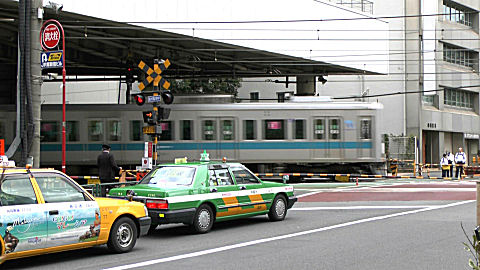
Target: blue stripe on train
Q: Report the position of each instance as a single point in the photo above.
(214, 145)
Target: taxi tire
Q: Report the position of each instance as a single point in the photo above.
(278, 204)
(204, 213)
(128, 226)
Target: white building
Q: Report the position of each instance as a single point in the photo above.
(434, 56)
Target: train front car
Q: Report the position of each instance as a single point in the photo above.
(312, 134)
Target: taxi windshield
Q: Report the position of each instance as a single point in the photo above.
(170, 176)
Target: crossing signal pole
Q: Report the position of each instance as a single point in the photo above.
(153, 118)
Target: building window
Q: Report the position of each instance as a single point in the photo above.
(458, 98)
(49, 131)
(186, 127)
(167, 131)
(365, 129)
(72, 131)
(459, 56)
(209, 131)
(95, 131)
(254, 96)
(299, 129)
(114, 130)
(456, 13)
(249, 129)
(334, 128)
(136, 129)
(428, 100)
(362, 5)
(227, 130)
(274, 129)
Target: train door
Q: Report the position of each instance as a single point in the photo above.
(335, 144)
(219, 137)
(227, 140)
(365, 144)
(320, 138)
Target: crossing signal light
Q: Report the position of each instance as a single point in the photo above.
(139, 99)
(167, 97)
(149, 117)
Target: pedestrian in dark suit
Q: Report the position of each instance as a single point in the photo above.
(107, 167)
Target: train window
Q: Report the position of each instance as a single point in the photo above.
(254, 96)
(114, 130)
(167, 131)
(186, 127)
(227, 130)
(72, 131)
(274, 129)
(249, 127)
(319, 129)
(365, 129)
(136, 130)
(49, 131)
(95, 131)
(334, 128)
(209, 132)
(299, 129)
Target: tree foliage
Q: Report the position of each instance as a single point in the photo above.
(206, 86)
(473, 246)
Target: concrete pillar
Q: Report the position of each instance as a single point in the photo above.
(306, 85)
(36, 72)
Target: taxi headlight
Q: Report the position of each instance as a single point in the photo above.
(146, 210)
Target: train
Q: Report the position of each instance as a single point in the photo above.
(312, 134)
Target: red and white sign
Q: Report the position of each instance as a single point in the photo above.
(51, 36)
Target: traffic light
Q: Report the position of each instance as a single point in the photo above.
(167, 97)
(163, 113)
(149, 117)
(129, 75)
(139, 99)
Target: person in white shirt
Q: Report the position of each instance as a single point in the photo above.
(445, 166)
(451, 159)
(460, 160)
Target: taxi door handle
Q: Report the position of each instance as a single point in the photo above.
(53, 212)
(213, 190)
(243, 187)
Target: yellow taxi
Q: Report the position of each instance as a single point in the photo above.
(44, 211)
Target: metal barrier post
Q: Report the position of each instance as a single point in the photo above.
(478, 202)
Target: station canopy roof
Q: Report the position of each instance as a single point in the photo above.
(98, 47)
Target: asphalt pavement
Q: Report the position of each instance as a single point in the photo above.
(315, 235)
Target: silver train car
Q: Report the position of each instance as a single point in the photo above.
(323, 136)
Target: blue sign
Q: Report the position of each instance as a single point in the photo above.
(152, 99)
(52, 59)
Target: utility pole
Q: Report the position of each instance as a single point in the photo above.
(36, 24)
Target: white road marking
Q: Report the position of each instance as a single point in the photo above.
(362, 207)
(310, 193)
(280, 237)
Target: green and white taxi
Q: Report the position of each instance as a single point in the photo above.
(200, 193)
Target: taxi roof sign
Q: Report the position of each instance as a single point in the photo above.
(181, 160)
(204, 156)
(4, 162)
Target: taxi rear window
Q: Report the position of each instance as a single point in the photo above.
(170, 176)
(17, 190)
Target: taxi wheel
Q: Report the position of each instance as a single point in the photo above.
(278, 210)
(203, 220)
(123, 235)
